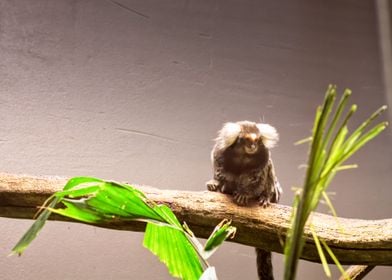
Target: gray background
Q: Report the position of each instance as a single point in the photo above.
(137, 94)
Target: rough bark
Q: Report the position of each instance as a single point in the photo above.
(354, 241)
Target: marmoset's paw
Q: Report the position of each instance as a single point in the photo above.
(213, 185)
(242, 199)
(264, 202)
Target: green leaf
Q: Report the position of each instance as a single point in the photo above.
(44, 213)
(321, 253)
(338, 113)
(289, 242)
(92, 200)
(329, 149)
(303, 141)
(357, 133)
(112, 200)
(336, 149)
(174, 247)
(79, 191)
(359, 143)
(330, 205)
(174, 250)
(221, 232)
(81, 181)
(78, 211)
(33, 231)
(167, 215)
(335, 260)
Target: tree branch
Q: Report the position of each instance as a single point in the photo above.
(357, 272)
(354, 241)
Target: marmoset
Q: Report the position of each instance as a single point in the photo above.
(243, 168)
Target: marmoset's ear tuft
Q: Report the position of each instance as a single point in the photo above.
(227, 135)
(268, 134)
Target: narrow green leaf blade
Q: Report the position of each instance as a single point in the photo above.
(303, 141)
(44, 214)
(33, 231)
(359, 143)
(335, 260)
(323, 165)
(320, 251)
(358, 132)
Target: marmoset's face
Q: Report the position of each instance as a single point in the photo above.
(250, 140)
(251, 143)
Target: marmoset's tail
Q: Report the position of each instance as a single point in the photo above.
(264, 264)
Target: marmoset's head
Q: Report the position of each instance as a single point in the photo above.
(247, 137)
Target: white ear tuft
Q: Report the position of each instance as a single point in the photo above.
(269, 134)
(227, 135)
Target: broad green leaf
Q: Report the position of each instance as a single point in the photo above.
(173, 248)
(106, 206)
(78, 181)
(92, 200)
(132, 200)
(167, 215)
(80, 191)
(121, 204)
(78, 211)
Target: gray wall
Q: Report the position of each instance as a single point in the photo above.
(136, 94)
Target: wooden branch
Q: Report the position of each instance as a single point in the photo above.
(365, 242)
(357, 272)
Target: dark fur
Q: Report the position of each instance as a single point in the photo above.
(246, 176)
